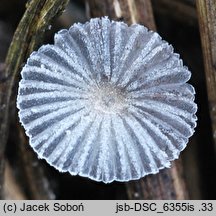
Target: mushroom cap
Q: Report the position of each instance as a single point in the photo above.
(107, 101)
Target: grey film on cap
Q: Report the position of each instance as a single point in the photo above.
(107, 101)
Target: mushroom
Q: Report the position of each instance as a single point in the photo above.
(107, 101)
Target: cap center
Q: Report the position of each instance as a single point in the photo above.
(107, 98)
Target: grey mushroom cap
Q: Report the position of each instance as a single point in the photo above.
(107, 101)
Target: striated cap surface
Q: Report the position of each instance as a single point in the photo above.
(107, 101)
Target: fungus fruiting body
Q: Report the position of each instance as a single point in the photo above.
(107, 101)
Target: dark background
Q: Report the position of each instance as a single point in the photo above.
(199, 163)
